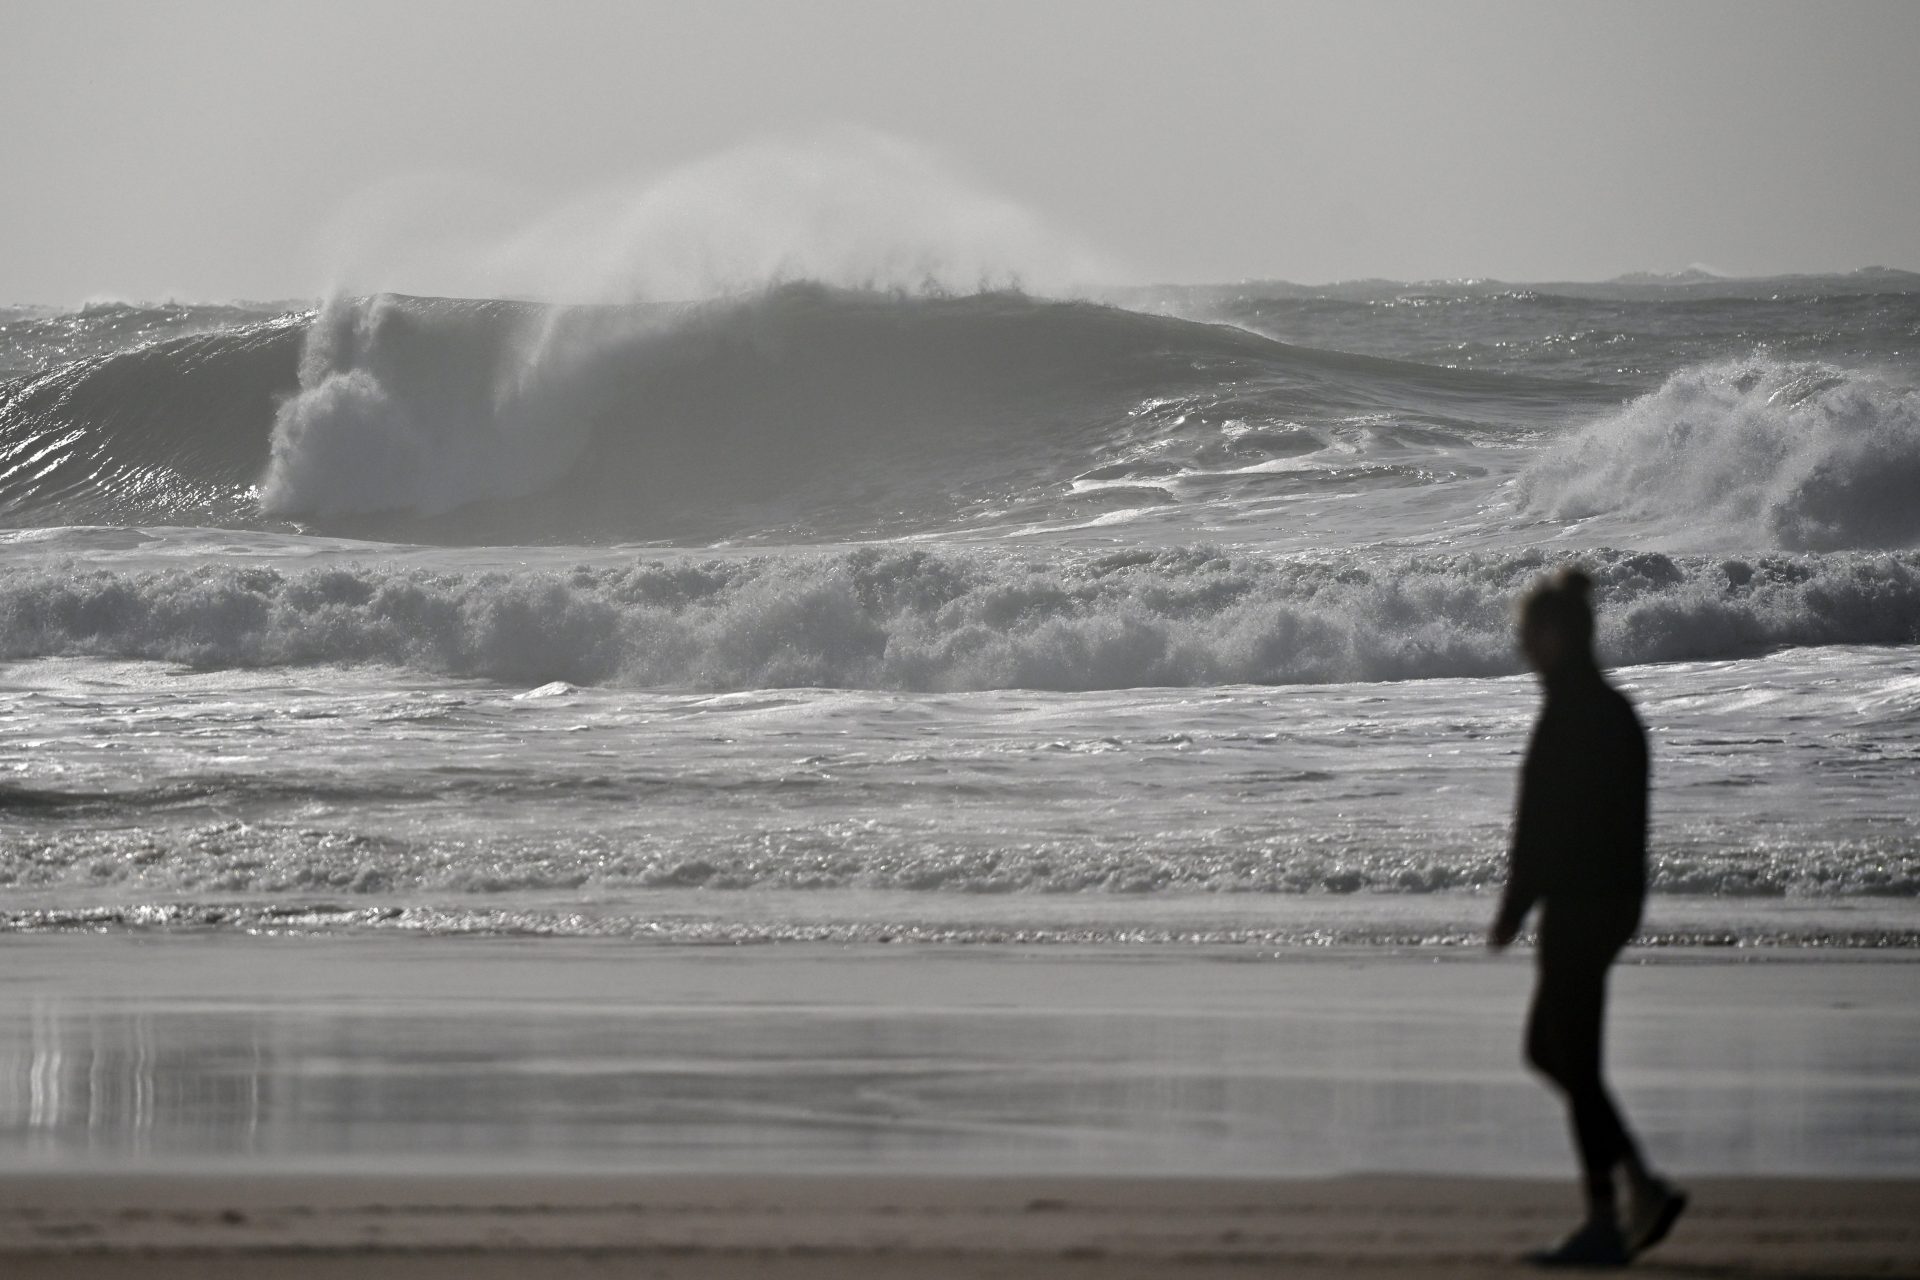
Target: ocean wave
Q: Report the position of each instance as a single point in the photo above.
(889, 618)
(172, 431)
(801, 412)
(1795, 455)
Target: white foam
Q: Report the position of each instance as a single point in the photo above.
(423, 410)
(946, 619)
(1753, 452)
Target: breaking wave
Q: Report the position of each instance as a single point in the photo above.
(803, 412)
(950, 620)
(1797, 455)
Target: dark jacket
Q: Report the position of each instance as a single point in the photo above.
(1580, 835)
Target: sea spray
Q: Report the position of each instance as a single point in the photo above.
(850, 207)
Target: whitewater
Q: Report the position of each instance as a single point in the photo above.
(1162, 615)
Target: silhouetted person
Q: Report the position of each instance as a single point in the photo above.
(1580, 854)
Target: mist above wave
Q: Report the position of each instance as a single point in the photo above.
(923, 620)
(847, 206)
(1798, 455)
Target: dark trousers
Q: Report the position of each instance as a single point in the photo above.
(1565, 1036)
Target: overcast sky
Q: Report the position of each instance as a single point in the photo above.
(212, 149)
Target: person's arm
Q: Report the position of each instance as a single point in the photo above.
(1525, 879)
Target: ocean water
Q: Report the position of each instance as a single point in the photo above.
(1173, 616)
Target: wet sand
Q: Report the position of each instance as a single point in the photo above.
(217, 1105)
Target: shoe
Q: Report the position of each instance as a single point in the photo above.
(1598, 1244)
(1651, 1214)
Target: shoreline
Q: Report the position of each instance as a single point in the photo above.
(1281, 924)
(105, 1226)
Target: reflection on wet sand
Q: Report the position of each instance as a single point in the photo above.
(482, 1056)
(79, 1077)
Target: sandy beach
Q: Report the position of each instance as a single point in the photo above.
(111, 1226)
(210, 1106)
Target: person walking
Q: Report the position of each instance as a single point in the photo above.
(1579, 853)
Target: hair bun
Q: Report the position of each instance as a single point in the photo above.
(1575, 582)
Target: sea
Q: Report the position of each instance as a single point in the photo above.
(1160, 616)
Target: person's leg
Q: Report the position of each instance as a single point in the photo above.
(1598, 1131)
(1601, 1129)
(1653, 1205)
(1564, 1042)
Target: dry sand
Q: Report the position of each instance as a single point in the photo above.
(164, 1227)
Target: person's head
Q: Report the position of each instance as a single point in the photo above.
(1556, 622)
